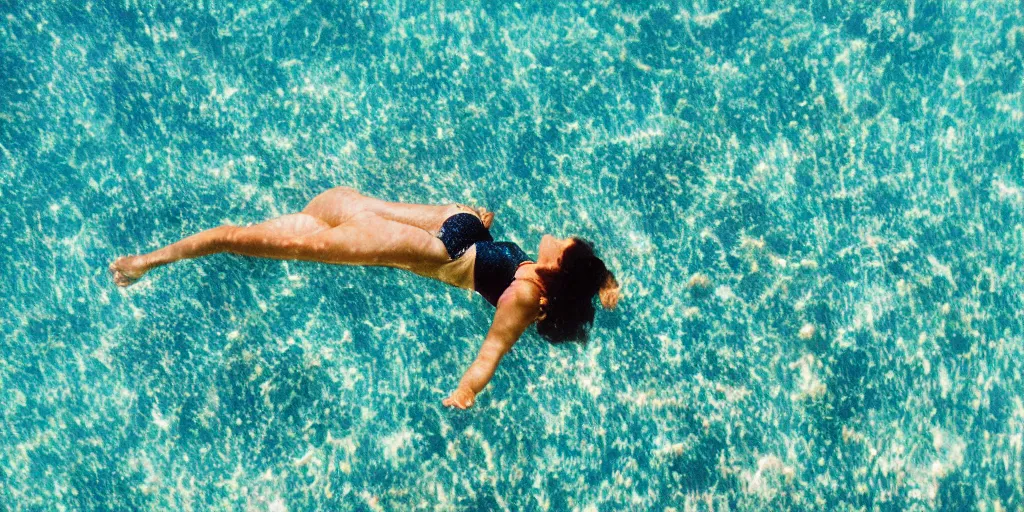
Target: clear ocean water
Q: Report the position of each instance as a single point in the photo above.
(815, 209)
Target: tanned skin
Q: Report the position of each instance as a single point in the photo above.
(344, 227)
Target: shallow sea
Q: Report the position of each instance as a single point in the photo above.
(815, 209)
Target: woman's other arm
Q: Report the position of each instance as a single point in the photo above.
(517, 309)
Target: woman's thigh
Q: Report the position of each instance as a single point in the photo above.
(340, 204)
(337, 205)
(428, 217)
(368, 239)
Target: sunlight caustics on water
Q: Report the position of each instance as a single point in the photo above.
(814, 208)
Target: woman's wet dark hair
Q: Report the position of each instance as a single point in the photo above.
(570, 292)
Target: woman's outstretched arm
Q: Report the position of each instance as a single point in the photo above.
(517, 309)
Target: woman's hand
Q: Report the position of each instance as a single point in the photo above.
(517, 309)
(462, 398)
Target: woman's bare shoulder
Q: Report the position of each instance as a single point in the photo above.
(522, 295)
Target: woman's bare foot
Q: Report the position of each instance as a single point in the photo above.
(126, 270)
(486, 217)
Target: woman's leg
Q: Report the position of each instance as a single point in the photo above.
(269, 239)
(337, 205)
(426, 216)
(366, 239)
(369, 239)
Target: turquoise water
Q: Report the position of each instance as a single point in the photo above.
(814, 209)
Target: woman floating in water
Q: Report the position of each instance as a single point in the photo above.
(449, 243)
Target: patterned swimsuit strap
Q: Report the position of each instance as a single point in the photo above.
(539, 284)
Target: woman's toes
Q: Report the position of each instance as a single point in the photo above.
(486, 217)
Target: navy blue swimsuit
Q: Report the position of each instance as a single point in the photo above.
(496, 262)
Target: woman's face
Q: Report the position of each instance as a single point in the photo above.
(551, 249)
